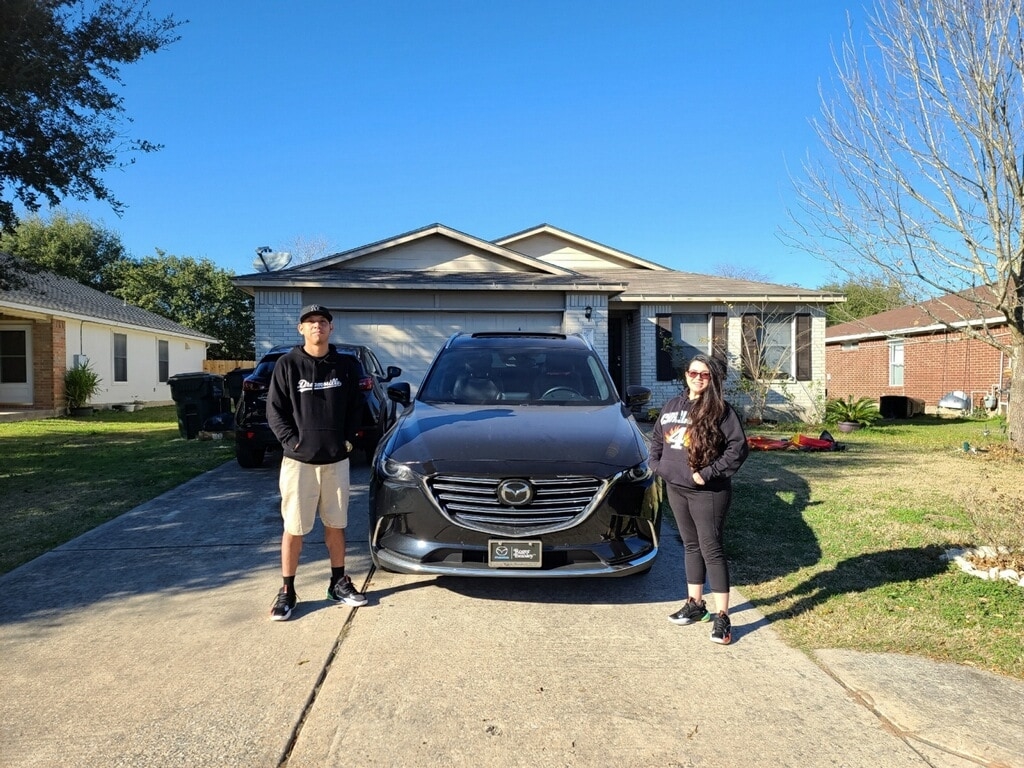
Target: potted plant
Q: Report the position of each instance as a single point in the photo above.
(80, 383)
(850, 414)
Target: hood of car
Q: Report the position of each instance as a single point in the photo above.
(504, 440)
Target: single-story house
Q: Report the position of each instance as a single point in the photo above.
(925, 352)
(404, 296)
(48, 323)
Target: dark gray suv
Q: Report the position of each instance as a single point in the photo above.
(517, 458)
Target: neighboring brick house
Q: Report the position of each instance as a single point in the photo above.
(923, 351)
(48, 322)
(405, 295)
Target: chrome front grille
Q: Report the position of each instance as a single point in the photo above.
(557, 503)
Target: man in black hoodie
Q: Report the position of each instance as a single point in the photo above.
(313, 409)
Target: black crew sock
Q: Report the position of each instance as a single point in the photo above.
(289, 584)
(337, 574)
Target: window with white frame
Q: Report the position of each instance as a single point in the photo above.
(120, 357)
(896, 363)
(777, 346)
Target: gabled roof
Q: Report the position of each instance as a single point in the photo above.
(325, 264)
(437, 281)
(546, 229)
(972, 307)
(626, 278)
(49, 294)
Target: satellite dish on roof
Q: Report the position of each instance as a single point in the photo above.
(268, 260)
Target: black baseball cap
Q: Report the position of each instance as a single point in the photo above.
(315, 309)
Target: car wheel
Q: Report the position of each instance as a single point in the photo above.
(249, 457)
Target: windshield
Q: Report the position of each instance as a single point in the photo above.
(517, 375)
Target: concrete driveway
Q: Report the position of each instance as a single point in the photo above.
(146, 642)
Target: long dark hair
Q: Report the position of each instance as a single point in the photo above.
(706, 413)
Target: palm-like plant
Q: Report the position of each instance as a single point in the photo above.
(80, 383)
(863, 411)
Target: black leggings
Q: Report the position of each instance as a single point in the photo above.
(700, 515)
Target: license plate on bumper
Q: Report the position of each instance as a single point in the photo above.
(503, 553)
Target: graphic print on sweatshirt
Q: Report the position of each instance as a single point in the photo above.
(673, 430)
(309, 386)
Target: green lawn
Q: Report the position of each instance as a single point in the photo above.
(62, 477)
(843, 550)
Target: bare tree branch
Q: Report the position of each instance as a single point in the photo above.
(923, 181)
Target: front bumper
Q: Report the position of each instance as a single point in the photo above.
(408, 534)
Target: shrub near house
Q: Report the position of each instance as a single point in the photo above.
(862, 411)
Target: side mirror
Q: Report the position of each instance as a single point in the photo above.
(393, 372)
(400, 393)
(637, 395)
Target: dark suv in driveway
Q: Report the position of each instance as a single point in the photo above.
(253, 437)
(518, 458)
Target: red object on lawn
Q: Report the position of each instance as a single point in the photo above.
(800, 442)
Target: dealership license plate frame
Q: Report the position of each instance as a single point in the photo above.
(520, 553)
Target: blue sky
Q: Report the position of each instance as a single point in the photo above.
(667, 129)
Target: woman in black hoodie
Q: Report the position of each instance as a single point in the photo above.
(697, 445)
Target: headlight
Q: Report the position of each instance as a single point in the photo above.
(637, 474)
(396, 472)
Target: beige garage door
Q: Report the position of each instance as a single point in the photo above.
(411, 339)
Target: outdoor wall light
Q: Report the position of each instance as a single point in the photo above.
(588, 312)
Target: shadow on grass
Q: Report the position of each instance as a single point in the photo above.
(858, 574)
(766, 534)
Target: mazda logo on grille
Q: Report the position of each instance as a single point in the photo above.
(515, 493)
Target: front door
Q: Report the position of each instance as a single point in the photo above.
(16, 364)
(615, 367)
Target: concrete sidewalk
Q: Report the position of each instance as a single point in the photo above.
(146, 642)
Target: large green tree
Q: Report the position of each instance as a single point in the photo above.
(922, 179)
(195, 293)
(62, 122)
(864, 296)
(69, 245)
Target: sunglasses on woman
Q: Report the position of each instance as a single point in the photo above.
(702, 375)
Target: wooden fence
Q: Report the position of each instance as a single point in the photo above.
(220, 367)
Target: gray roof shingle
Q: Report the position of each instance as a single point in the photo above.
(972, 306)
(50, 293)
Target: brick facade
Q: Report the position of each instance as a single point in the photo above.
(934, 364)
(49, 349)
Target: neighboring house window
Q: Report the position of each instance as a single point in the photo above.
(163, 357)
(13, 357)
(120, 357)
(896, 363)
(777, 346)
(682, 336)
(850, 346)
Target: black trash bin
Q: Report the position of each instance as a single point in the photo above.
(197, 397)
(233, 381)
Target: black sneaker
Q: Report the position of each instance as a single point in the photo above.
(721, 632)
(690, 613)
(281, 610)
(345, 592)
